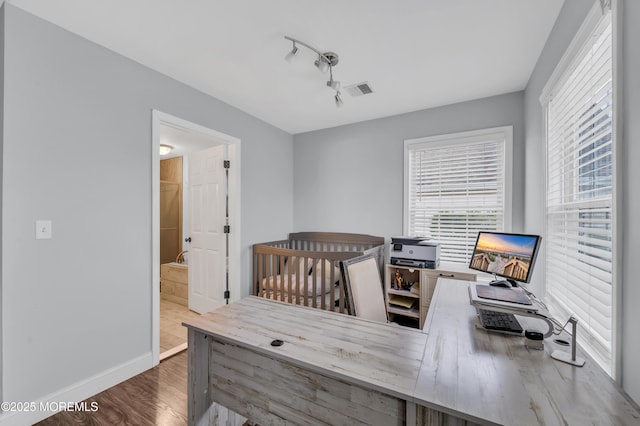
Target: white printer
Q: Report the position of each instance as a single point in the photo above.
(419, 252)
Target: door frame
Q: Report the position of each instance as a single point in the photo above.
(159, 118)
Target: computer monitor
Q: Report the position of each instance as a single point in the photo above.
(511, 256)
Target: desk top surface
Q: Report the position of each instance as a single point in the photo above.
(375, 355)
(451, 367)
(493, 378)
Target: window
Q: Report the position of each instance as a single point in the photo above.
(457, 185)
(580, 185)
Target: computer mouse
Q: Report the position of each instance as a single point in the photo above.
(501, 283)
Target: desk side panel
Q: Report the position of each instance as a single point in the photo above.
(272, 391)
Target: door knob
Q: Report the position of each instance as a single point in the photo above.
(187, 240)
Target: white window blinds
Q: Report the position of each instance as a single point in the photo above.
(455, 187)
(579, 206)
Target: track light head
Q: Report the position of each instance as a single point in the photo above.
(321, 64)
(292, 55)
(335, 85)
(326, 60)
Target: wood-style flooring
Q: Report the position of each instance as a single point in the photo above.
(172, 333)
(155, 397)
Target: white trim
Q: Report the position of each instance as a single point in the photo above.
(577, 45)
(508, 178)
(405, 187)
(541, 266)
(467, 137)
(80, 391)
(155, 236)
(235, 249)
(234, 152)
(617, 136)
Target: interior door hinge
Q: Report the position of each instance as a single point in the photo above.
(227, 229)
(227, 164)
(227, 294)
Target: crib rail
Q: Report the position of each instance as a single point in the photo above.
(333, 241)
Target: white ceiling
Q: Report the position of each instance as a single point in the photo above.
(415, 54)
(183, 141)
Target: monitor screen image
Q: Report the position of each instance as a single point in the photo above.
(511, 256)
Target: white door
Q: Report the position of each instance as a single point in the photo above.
(207, 248)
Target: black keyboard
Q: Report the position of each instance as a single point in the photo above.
(500, 321)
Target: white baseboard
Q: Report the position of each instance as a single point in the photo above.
(79, 391)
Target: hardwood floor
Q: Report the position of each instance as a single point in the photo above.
(155, 397)
(172, 333)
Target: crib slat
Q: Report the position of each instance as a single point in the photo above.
(280, 275)
(267, 273)
(314, 280)
(323, 284)
(306, 281)
(290, 261)
(254, 272)
(332, 285)
(298, 283)
(273, 276)
(260, 273)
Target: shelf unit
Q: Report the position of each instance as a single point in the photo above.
(410, 307)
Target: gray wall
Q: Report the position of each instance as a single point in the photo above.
(571, 16)
(350, 178)
(77, 150)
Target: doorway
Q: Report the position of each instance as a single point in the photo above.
(201, 149)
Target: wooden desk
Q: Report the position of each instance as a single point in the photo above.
(491, 378)
(332, 368)
(335, 369)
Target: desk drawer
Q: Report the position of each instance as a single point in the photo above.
(431, 276)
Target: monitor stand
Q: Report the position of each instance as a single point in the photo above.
(496, 281)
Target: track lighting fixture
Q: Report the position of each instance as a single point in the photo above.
(325, 61)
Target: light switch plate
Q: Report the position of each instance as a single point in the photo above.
(43, 230)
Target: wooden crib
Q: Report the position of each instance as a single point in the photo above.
(305, 268)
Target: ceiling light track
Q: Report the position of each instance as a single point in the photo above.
(326, 61)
